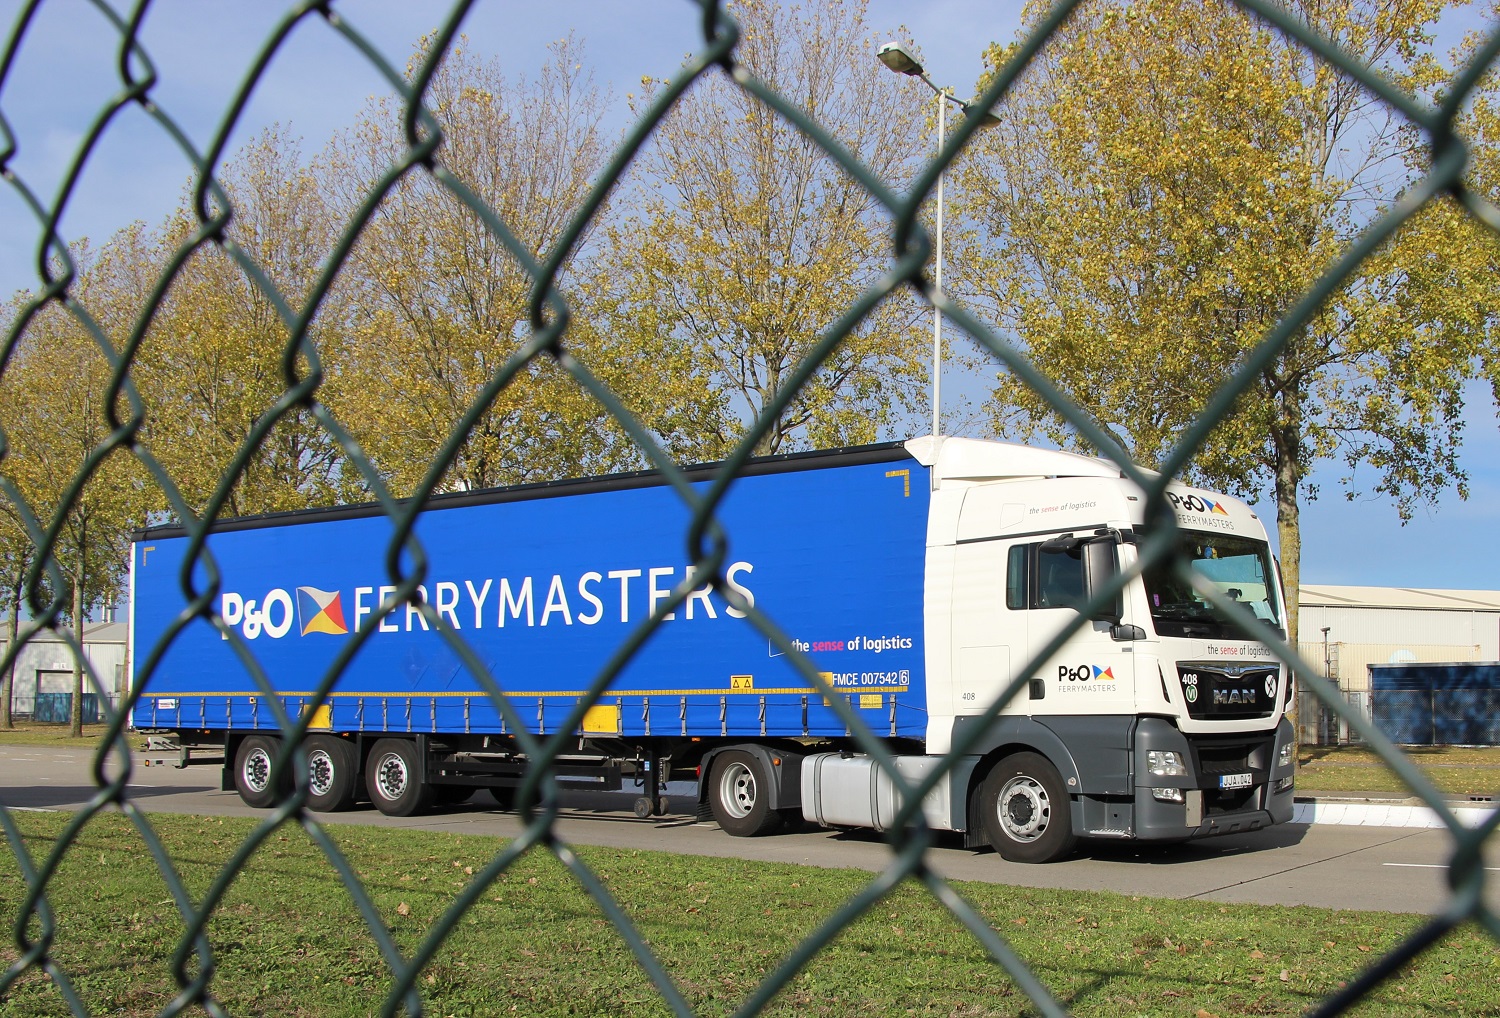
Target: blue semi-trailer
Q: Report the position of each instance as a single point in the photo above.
(917, 577)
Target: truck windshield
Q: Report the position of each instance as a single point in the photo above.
(1238, 566)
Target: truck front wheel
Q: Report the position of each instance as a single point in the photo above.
(1025, 810)
(391, 777)
(333, 768)
(252, 770)
(738, 794)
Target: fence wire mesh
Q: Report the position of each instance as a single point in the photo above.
(35, 925)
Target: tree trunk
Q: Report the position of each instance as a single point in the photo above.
(75, 728)
(8, 680)
(1289, 530)
(1288, 443)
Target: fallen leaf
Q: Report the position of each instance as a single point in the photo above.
(1256, 954)
(1286, 976)
(403, 909)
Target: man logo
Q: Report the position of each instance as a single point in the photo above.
(321, 611)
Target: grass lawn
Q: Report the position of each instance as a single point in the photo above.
(1461, 770)
(31, 733)
(288, 941)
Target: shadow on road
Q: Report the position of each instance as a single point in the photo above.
(54, 796)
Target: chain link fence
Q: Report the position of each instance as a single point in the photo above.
(34, 925)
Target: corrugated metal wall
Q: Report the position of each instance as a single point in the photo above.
(1351, 661)
(1359, 637)
(1417, 625)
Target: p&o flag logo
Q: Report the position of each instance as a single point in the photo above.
(321, 611)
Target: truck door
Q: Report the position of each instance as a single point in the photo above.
(1091, 673)
(989, 640)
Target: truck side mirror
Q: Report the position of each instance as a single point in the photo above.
(1100, 568)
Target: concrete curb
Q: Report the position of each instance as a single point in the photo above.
(1364, 814)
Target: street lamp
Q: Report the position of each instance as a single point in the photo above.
(899, 59)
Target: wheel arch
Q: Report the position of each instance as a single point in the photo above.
(1007, 737)
(785, 792)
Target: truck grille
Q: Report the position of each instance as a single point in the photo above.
(1228, 690)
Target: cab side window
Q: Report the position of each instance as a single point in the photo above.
(1059, 579)
(1018, 578)
(1044, 579)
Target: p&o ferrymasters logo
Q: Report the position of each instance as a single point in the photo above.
(321, 611)
(1086, 678)
(591, 598)
(1197, 504)
(316, 611)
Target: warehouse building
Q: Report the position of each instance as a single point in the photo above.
(43, 685)
(1345, 630)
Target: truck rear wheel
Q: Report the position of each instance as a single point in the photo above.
(1025, 810)
(503, 796)
(738, 795)
(333, 770)
(252, 770)
(391, 777)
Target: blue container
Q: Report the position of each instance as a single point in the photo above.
(57, 708)
(1437, 704)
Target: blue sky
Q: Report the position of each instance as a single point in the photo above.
(316, 84)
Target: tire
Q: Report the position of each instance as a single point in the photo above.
(391, 776)
(1025, 810)
(452, 795)
(738, 796)
(503, 797)
(333, 774)
(252, 770)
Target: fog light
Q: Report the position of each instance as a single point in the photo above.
(1282, 785)
(1164, 763)
(1167, 794)
(1284, 758)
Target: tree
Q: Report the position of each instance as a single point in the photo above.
(443, 305)
(16, 554)
(1168, 181)
(211, 364)
(750, 241)
(53, 412)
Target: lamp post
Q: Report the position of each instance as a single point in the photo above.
(899, 59)
(1328, 674)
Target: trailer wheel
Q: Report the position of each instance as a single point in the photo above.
(737, 794)
(503, 796)
(333, 770)
(391, 776)
(252, 770)
(1025, 810)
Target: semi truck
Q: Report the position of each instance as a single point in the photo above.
(921, 580)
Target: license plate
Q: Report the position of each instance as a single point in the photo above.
(1235, 781)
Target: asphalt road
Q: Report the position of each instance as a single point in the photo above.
(1373, 868)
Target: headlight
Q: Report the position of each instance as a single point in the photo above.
(1165, 763)
(1284, 758)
